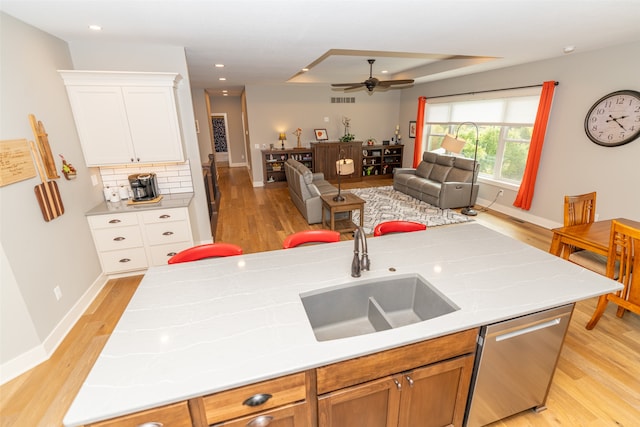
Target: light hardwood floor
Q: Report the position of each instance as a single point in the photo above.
(597, 382)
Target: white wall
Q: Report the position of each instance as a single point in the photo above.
(200, 110)
(232, 106)
(283, 108)
(570, 163)
(154, 58)
(40, 255)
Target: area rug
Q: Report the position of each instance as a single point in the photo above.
(386, 204)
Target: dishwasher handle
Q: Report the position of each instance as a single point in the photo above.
(528, 329)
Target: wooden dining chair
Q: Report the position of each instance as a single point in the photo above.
(388, 227)
(209, 250)
(581, 209)
(624, 262)
(310, 236)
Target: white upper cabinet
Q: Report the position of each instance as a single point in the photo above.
(126, 117)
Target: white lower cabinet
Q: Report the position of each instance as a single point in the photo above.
(134, 241)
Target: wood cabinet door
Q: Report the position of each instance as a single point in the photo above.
(372, 404)
(326, 155)
(436, 395)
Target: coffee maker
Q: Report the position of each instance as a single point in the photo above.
(144, 186)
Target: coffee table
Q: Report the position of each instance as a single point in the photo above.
(350, 203)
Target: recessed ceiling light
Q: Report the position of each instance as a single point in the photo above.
(219, 65)
(222, 79)
(305, 69)
(94, 27)
(569, 49)
(225, 94)
(384, 71)
(224, 91)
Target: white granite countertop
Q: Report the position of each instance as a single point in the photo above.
(197, 328)
(180, 200)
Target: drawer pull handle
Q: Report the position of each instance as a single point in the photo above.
(165, 216)
(118, 239)
(125, 260)
(114, 221)
(167, 233)
(261, 421)
(171, 253)
(150, 424)
(409, 380)
(398, 385)
(257, 399)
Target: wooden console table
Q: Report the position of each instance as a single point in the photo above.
(351, 202)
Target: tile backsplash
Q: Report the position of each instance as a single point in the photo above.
(172, 177)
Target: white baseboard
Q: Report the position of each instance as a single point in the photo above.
(519, 214)
(21, 364)
(33, 357)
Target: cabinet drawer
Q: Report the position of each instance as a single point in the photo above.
(112, 221)
(230, 404)
(294, 415)
(125, 260)
(172, 415)
(164, 215)
(170, 232)
(160, 254)
(118, 238)
(389, 362)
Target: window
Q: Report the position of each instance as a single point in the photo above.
(505, 126)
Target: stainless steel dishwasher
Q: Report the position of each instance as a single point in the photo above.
(515, 362)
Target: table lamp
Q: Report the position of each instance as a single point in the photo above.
(282, 138)
(343, 167)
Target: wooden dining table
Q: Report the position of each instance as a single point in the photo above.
(592, 237)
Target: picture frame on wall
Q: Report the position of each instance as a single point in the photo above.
(321, 134)
(412, 129)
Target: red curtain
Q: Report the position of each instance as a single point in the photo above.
(417, 147)
(525, 194)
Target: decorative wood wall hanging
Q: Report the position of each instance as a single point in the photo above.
(42, 139)
(15, 161)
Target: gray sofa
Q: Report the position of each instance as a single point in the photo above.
(440, 180)
(305, 189)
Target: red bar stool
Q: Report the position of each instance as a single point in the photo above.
(209, 250)
(397, 227)
(310, 236)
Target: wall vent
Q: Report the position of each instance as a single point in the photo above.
(343, 99)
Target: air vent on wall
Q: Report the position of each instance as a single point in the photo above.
(343, 99)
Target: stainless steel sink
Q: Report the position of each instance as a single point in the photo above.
(373, 305)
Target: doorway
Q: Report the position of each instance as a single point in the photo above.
(220, 136)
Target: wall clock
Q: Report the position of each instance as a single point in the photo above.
(614, 119)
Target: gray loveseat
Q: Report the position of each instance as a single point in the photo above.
(305, 189)
(439, 179)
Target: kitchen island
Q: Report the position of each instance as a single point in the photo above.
(204, 327)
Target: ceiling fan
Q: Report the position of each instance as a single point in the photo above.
(372, 82)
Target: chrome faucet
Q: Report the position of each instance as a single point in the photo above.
(358, 264)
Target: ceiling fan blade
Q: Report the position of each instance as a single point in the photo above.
(358, 86)
(395, 82)
(347, 84)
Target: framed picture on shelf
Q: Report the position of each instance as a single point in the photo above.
(321, 135)
(412, 129)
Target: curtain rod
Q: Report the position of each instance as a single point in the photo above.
(485, 91)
